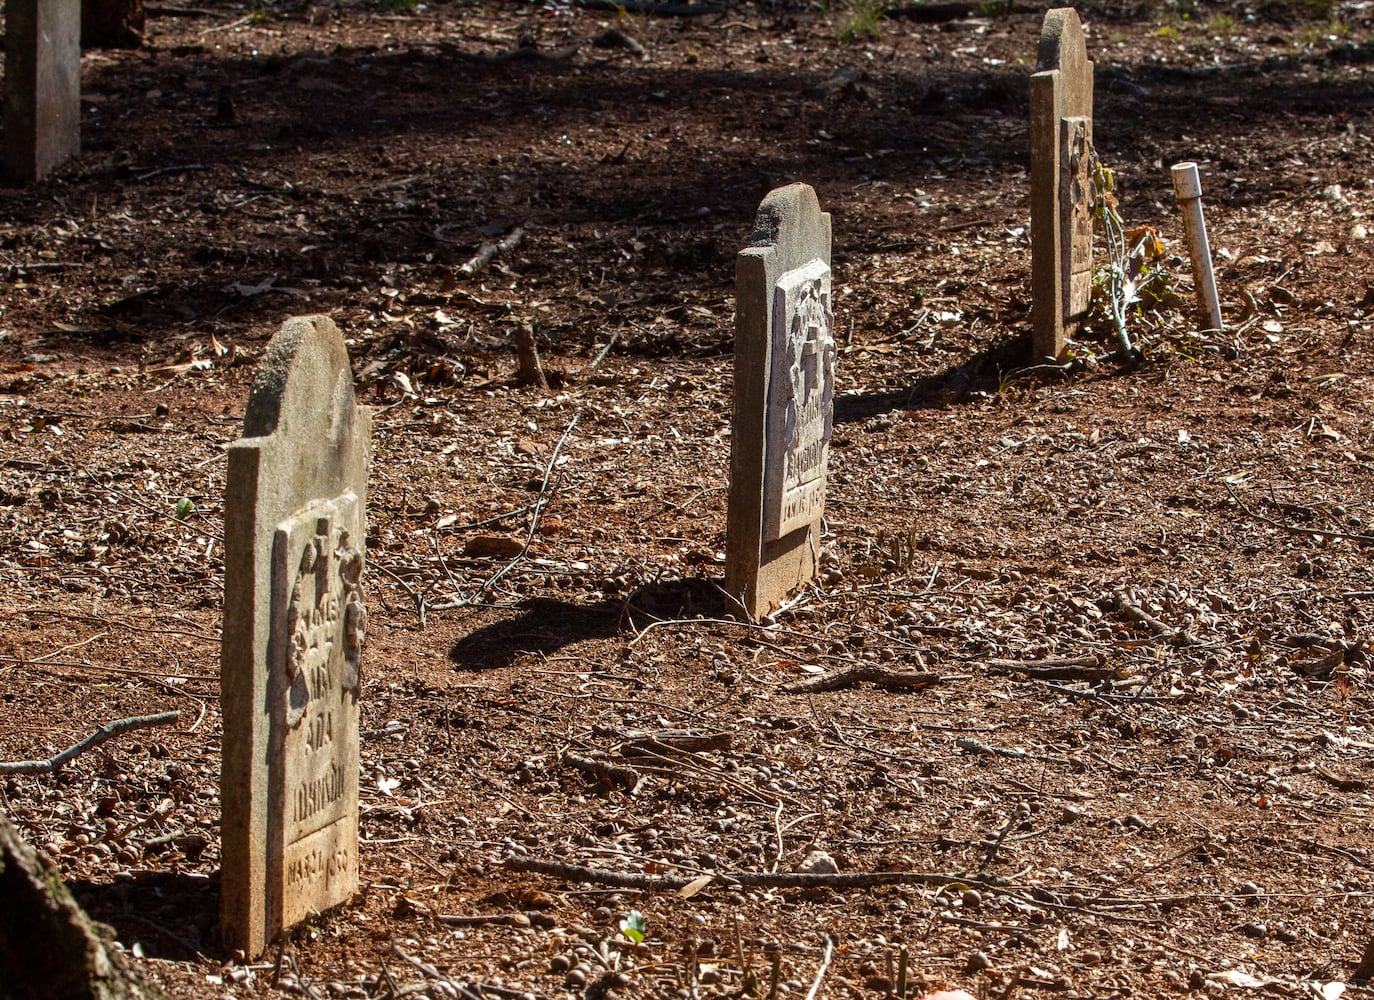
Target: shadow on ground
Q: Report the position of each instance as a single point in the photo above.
(545, 626)
(169, 915)
(541, 626)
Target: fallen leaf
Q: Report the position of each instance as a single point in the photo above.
(695, 886)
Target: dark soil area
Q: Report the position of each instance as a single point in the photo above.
(1146, 592)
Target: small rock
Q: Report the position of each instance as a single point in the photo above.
(977, 962)
(819, 863)
(1254, 930)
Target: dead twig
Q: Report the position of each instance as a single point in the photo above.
(860, 673)
(488, 253)
(105, 732)
(483, 919)
(147, 506)
(601, 356)
(1157, 628)
(815, 990)
(614, 774)
(538, 507)
(762, 880)
(1297, 529)
(974, 746)
(1073, 668)
(527, 353)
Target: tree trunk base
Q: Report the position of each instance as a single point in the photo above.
(48, 946)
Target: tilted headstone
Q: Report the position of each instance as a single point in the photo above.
(294, 620)
(1062, 193)
(784, 401)
(42, 113)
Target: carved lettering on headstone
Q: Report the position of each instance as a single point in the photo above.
(317, 582)
(801, 400)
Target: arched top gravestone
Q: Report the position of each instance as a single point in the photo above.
(1062, 194)
(294, 623)
(784, 401)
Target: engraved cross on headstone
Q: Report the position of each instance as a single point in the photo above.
(1062, 195)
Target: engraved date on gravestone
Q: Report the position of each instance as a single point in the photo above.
(801, 397)
(1078, 196)
(317, 590)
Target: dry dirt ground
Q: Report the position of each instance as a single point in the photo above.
(1184, 807)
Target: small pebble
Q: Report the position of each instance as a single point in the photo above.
(1248, 889)
(1254, 930)
(977, 962)
(819, 863)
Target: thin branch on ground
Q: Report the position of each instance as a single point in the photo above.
(815, 990)
(761, 880)
(539, 506)
(1073, 668)
(149, 507)
(1298, 529)
(415, 595)
(484, 256)
(974, 746)
(105, 732)
(861, 673)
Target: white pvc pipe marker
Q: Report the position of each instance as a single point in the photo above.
(1188, 189)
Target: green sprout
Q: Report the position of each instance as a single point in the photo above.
(184, 508)
(633, 926)
(862, 22)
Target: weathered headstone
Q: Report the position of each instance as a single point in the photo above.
(294, 618)
(42, 113)
(1062, 193)
(784, 401)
